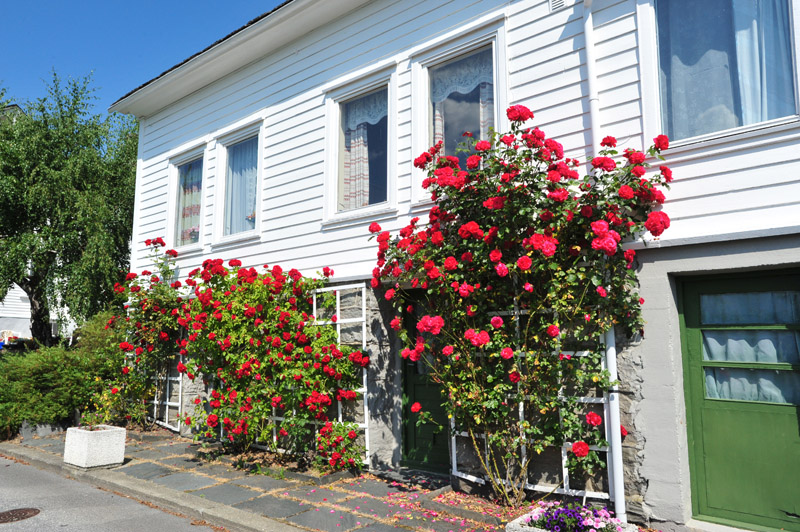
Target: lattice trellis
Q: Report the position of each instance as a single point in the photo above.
(167, 383)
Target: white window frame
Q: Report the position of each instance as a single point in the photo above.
(651, 92)
(187, 156)
(222, 144)
(380, 76)
(484, 34)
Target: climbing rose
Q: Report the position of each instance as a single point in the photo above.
(580, 449)
(661, 142)
(374, 227)
(601, 291)
(553, 331)
(626, 192)
(473, 161)
(497, 322)
(623, 431)
(450, 263)
(524, 262)
(501, 269)
(114, 390)
(514, 376)
(416, 407)
(604, 163)
(507, 353)
(657, 222)
(609, 142)
(593, 419)
(519, 113)
(389, 294)
(483, 145)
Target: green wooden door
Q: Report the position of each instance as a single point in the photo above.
(741, 344)
(424, 446)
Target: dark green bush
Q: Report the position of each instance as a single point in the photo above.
(47, 385)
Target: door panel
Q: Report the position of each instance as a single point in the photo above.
(740, 345)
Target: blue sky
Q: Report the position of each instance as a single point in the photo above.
(123, 43)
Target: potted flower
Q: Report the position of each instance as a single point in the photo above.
(94, 446)
(558, 516)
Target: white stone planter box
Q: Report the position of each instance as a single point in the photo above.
(519, 525)
(102, 447)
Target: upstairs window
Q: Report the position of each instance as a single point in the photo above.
(363, 150)
(190, 196)
(723, 64)
(241, 187)
(462, 100)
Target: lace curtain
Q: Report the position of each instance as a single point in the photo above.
(463, 77)
(190, 189)
(724, 64)
(358, 116)
(240, 187)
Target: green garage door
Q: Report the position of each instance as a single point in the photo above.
(741, 345)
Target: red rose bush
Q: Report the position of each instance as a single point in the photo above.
(506, 290)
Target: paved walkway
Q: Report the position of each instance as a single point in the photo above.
(166, 471)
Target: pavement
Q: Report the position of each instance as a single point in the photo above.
(170, 473)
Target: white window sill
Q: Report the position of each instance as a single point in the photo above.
(247, 237)
(359, 217)
(189, 250)
(742, 133)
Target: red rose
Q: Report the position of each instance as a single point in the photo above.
(374, 227)
(352, 435)
(524, 262)
(623, 431)
(609, 142)
(389, 294)
(450, 263)
(519, 113)
(514, 377)
(188, 420)
(661, 142)
(626, 192)
(496, 322)
(553, 331)
(657, 222)
(601, 291)
(604, 163)
(580, 449)
(507, 353)
(495, 255)
(114, 390)
(473, 161)
(501, 269)
(560, 195)
(416, 407)
(593, 419)
(483, 145)
(666, 172)
(171, 253)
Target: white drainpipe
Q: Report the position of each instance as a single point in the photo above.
(615, 472)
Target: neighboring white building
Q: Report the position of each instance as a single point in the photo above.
(255, 148)
(15, 313)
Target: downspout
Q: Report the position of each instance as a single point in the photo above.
(613, 434)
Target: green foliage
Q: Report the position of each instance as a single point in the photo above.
(67, 179)
(49, 385)
(519, 268)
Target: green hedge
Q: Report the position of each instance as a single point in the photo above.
(47, 385)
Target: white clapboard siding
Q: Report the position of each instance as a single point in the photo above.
(16, 304)
(720, 187)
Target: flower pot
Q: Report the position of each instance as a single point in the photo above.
(98, 446)
(520, 524)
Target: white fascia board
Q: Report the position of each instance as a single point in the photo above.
(243, 48)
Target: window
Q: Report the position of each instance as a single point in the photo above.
(241, 187)
(190, 193)
(462, 100)
(723, 64)
(363, 151)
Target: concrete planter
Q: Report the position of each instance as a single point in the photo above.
(519, 525)
(102, 447)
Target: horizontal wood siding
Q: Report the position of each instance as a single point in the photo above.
(16, 304)
(546, 70)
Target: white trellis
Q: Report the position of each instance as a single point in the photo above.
(167, 382)
(610, 402)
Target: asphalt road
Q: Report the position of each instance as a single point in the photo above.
(70, 505)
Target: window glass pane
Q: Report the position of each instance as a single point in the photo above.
(241, 187)
(752, 346)
(362, 176)
(770, 386)
(462, 98)
(767, 308)
(723, 64)
(190, 195)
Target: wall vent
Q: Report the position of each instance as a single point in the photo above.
(555, 5)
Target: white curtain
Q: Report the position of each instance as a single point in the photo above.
(190, 192)
(723, 64)
(241, 187)
(748, 346)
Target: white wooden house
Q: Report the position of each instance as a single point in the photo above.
(254, 148)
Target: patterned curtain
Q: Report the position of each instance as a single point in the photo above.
(355, 186)
(487, 109)
(240, 187)
(190, 192)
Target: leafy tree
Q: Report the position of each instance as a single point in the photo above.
(67, 182)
